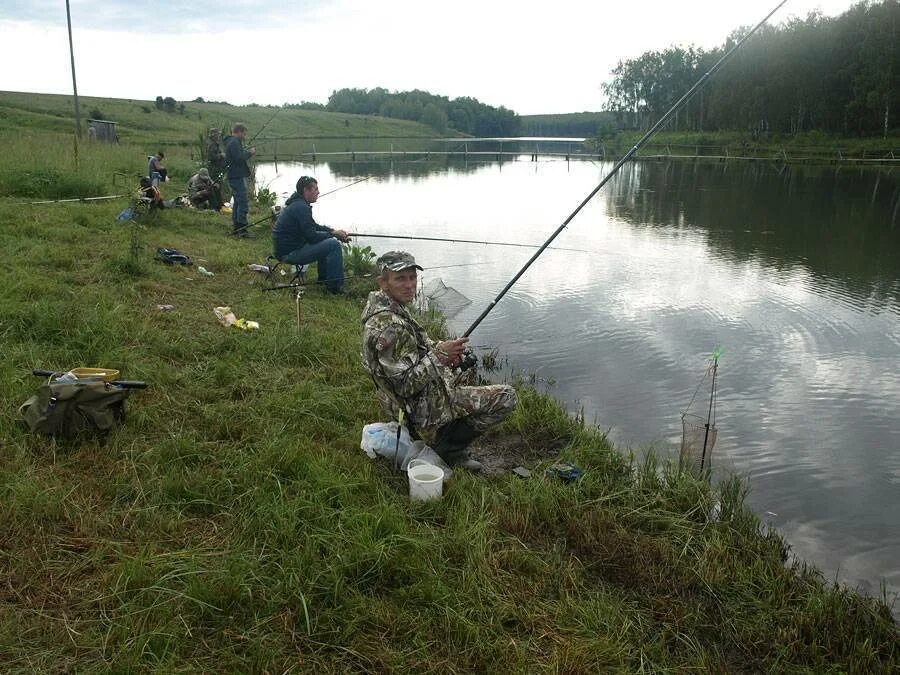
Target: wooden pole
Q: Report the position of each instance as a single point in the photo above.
(74, 85)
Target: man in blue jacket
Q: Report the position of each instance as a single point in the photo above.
(238, 172)
(299, 240)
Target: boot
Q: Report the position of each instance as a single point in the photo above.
(452, 444)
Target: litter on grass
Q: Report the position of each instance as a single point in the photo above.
(227, 318)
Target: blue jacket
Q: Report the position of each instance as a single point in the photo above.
(295, 227)
(236, 157)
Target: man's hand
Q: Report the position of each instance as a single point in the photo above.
(251, 151)
(450, 352)
(341, 235)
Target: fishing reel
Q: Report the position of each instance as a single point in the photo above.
(469, 360)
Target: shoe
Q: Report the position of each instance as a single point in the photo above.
(469, 464)
(243, 234)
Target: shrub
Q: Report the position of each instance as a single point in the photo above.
(358, 260)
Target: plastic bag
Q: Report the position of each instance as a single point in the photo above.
(380, 440)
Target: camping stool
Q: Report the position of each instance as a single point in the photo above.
(299, 272)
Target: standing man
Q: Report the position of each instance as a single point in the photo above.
(299, 240)
(155, 168)
(215, 156)
(421, 377)
(238, 172)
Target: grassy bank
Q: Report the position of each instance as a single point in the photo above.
(812, 145)
(233, 524)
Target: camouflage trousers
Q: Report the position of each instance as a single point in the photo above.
(483, 407)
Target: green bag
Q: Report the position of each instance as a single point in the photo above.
(68, 409)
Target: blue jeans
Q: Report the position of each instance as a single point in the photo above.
(330, 259)
(239, 212)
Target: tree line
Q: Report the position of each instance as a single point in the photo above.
(568, 124)
(465, 114)
(833, 74)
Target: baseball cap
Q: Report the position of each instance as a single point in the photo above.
(397, 261)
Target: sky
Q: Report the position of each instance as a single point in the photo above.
(532, 57)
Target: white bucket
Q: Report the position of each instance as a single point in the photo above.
(426, 481)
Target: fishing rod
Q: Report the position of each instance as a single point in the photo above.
(264, 218)
(628, 155)
(77, 199)
(361, 180)
(459, 241)
(368, 275)
(253, 138)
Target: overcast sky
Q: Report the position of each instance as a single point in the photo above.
(530, 56)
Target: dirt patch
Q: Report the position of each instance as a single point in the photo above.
(501, 453)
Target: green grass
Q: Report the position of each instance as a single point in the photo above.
(22, 112)
(233, 525)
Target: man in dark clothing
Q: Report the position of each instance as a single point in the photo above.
(299, 240)
(238, 173)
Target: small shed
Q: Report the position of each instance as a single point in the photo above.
(102, 130)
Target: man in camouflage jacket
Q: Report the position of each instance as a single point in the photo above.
(416, 374)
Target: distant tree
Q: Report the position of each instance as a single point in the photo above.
(169, 104)
(181, 108)
(199, 99)
(97, 114)
(160, 104)
(465, 114)
(832, 74)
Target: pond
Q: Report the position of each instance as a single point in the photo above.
(793, 271)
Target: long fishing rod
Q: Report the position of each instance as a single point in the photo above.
(268, 217)
(77, 199)
(253, 138)
(619, 165)
(343, 187)
(459, 241)
(368, 275)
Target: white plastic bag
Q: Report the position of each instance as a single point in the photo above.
(380, 440)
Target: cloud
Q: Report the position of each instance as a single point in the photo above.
(163, 16)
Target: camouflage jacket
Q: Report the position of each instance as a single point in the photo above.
(400, 357)
(215, 159)
(197, 184)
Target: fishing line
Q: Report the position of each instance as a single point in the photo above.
(461, 241)
(618, 166)
(344, 187)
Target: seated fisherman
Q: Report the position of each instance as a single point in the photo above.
(155, 168)
(150, 193)
(420, 376)
(203, 192)
(299, 240)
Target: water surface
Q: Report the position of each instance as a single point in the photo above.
(793, 271)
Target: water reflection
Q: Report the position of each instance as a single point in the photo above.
(793, 270)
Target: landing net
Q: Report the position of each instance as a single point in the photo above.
(448, 301)
(698, 434)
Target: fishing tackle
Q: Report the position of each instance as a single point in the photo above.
(458, 241)
(253, 138)
(618, 166)
(77, 199)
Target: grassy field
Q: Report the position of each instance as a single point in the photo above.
(233, 525)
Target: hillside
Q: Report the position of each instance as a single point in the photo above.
(141, 122)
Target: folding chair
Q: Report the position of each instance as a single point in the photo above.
(298, 273)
